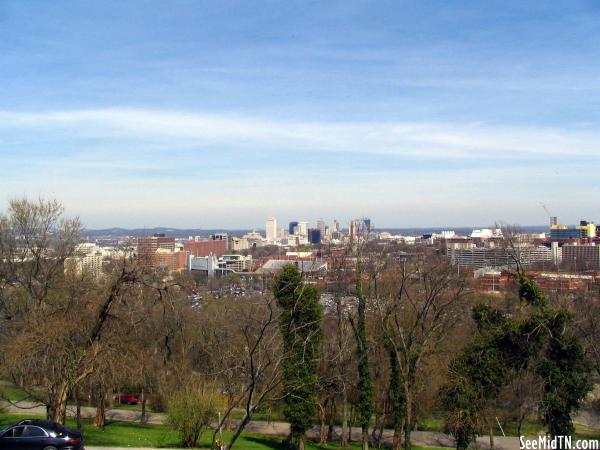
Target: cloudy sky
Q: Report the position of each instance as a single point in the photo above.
(220, 113)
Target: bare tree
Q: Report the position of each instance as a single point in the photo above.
(239, 345)
(59, 323)
(418, 303)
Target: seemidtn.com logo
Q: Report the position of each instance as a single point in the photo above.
(557, 443)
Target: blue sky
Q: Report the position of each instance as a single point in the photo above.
(219, 114)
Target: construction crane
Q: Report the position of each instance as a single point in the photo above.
(553, 220)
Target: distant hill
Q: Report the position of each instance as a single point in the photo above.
(139, 232)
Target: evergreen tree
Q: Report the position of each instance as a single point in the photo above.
(300, 325)
(564, 368)
(365, 384)
(566, 373)
(504, 345)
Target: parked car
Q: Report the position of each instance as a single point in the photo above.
(32, 434)
(128, 399)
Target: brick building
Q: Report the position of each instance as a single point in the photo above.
(172, 261)
(147, 247)
(206, 247)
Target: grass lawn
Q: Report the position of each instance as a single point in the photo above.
(510, 429)
(14, 393)
(583, 432)
(123, 434)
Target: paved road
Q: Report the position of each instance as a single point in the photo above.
(87, 412)
(421, 438)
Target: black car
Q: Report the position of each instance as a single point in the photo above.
(40, 435)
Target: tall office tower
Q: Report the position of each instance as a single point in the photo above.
(271, 228)
(293, 227)
(303, 228)
(336, 226)
(314, 236)
(321, 226)
(352, 229)
(367, 224)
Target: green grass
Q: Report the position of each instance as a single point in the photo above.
(137, 408)
(431, 425)
(123, 434)
(583, 432)
(14, 393)
(529, 428)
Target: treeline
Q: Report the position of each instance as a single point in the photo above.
(403, 339)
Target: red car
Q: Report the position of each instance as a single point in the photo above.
(129, 399)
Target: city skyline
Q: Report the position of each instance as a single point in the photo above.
(223, 114)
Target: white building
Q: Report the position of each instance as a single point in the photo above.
(87, 258)
(486, 233)
(271, 230)
(238, 243)
(235, 263)
(203, 264)
(321, 226)
(303, 228)
(211, 265)
(254, 239)
(447, 234)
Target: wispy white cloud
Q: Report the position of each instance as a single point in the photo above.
(441, 140)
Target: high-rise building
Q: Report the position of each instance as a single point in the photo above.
(321, 226)
(314, 236)
(354, 228)
(303, 228)
(293, 227)
(271, 229)
(367, 224)
(584, 230)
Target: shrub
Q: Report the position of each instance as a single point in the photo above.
(189, 411)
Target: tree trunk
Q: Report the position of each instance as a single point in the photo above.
(376, 426)
(144, 417)
(332, 417)
(491, 435)
(238, 431)
(344, 436)
(520, 424)
(397, 440)
(380, 432)
(100, 419)
(228, 423)
(350, 423)
(78, 411)
(365, 439)
(58, 409)
(408, 419)
(322, 436)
